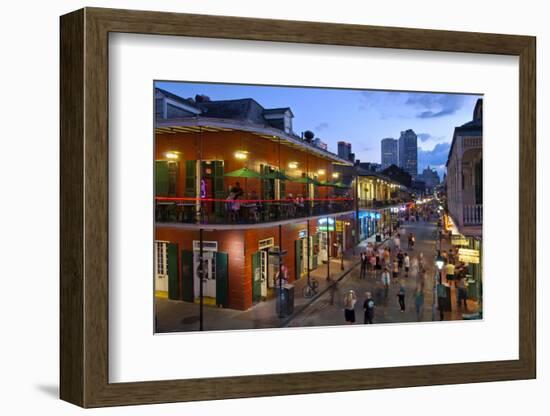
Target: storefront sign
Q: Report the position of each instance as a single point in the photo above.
(459, 240)
(339, 226)
(468, 255)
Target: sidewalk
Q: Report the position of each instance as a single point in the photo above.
(178, 316)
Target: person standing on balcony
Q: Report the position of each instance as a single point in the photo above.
(237, 190)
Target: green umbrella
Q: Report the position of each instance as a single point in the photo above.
(277, 175)
(306, 179)
(323, 183)
(243, 173)
(341, 185)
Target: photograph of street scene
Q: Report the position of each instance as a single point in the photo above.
(279, 207)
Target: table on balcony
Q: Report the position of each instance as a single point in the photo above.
(186, 211)
(164, 210)
(250, 212)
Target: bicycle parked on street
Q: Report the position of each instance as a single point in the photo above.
(311, 288)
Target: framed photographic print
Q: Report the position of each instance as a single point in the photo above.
(255, 207)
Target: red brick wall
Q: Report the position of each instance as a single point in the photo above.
(222, 146)
(231, 242)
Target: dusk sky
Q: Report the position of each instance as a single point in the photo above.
(361, 117)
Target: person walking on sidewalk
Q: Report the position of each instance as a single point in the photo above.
(395, 270)
(419, 303)
(421, 278)
(349, 307)
(450, 272)
(387, 257)
(368, 308)
(400, 259)
(397, 242)
(378, 266)
(386, 282)
(364, 261)
(401, 296)
(372, 263)
(421, 260)
(462, 293)
(407, 264)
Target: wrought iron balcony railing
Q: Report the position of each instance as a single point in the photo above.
(241, 211)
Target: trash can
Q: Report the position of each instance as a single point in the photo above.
(285, 300)
(378, 238)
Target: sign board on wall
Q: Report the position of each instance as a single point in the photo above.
(459, 240)
(467, 255)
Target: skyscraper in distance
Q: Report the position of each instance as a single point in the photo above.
(408, 152)
(344, 150)
(388, 156)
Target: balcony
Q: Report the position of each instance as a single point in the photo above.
(216, 211)
(472, 214)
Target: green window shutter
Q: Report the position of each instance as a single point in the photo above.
(187, 275)
(256, 278)
(222, 280)
(161, 178)
(298, 258)
(282, 186)
(173, 272)
(219, 187)
(190, 178)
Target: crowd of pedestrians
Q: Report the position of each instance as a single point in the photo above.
(389, 265)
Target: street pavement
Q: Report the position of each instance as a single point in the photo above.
(329, 309)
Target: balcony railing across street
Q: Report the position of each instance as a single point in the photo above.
(473, 214)
(244, 211)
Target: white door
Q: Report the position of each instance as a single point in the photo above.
(304, 255)
(209, 277)
(161, 267)
(263, 272)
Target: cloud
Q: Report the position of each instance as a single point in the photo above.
(424, 137)
(321, 126)
(429, 105)
(437, 157)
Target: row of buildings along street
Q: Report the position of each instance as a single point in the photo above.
(258, 226)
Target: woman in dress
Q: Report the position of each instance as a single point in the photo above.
(349, 307)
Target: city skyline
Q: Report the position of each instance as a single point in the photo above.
(360, 117)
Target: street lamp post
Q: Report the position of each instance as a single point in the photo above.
(439, 263)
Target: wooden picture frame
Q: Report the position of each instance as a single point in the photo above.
(84, 207)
